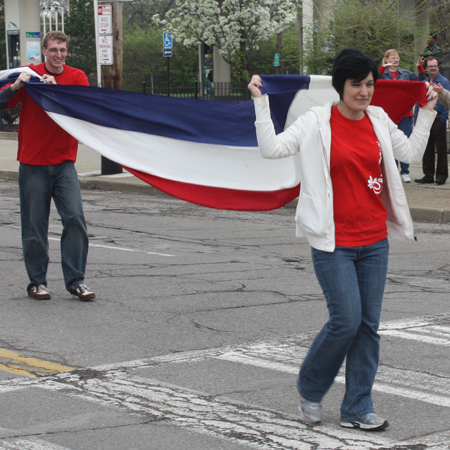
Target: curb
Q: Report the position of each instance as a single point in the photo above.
(425, 214)
(12, 135)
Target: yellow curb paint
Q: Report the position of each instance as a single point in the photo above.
(33, 363)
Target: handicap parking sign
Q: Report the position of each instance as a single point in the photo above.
(167, 40)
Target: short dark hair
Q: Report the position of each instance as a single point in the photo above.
(432, 58)
(354, 65)
(433, 35)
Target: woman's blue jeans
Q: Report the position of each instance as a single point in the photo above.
(38, 185)
(353, 281)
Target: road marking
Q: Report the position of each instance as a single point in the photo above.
(25, 444)
(243, 423)
(422, 329)
(29, 367)
(217, 416)
(123, 249)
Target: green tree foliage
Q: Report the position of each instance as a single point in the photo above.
(440, 22)
(81, 30)
(140, 12)
(261, 60)
(233, 26)
(373, 26)
(143, 60)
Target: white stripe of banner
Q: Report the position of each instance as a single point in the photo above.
(229, 167)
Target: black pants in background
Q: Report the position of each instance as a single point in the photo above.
(438, 139)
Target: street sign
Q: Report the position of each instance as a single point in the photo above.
(168, 44)
(276, 60)
(105, 50)
(105, 19)
(167, 40)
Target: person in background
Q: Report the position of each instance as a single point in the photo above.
(47, 155)
(437, 143)
(432, 49)
(346, 155)
(444, 94)
(390, 70)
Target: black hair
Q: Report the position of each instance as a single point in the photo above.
(433, 35)
(354, 65)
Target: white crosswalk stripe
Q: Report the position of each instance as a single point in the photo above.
(25, 444)
(244, 423)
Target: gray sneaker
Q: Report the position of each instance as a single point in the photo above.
(370, 421)
(311, 411)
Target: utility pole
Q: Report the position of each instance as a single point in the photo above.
(279, 50)
(111, 76)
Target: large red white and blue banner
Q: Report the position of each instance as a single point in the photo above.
(204, 152)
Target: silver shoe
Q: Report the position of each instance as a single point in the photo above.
(311, 411)
(370, 421)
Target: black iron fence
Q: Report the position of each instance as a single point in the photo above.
(223, 91)
(9, 119)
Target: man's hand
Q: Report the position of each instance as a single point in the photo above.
(420, 61)
(21, 80)
(437, 87)
(48, 79)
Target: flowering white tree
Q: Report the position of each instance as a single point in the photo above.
(234, 26)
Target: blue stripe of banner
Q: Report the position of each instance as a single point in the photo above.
(282, 90)
(210, 122)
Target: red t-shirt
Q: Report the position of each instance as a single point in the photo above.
(41, 141)
(359, 214)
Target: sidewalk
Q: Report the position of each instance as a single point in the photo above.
(426, 202)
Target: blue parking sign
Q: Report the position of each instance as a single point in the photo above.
(167, 40)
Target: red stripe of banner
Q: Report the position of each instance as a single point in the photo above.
(221, 198)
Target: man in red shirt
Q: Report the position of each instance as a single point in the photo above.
(47, 155)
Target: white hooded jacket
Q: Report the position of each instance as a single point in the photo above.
(310, 136)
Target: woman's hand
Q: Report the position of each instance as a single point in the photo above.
(390, 66)
(21, 80)
(432, 97)
(255, 85)
(48, 79)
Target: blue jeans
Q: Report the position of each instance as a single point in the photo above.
(406, 126)
(38, 185)
(353, 281)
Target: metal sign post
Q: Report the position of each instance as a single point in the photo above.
(167, 53)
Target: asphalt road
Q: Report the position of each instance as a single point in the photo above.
(201, 320)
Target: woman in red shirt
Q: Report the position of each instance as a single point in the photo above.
(351, 195)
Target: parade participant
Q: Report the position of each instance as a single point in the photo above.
(47, 155)
(351, 196)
